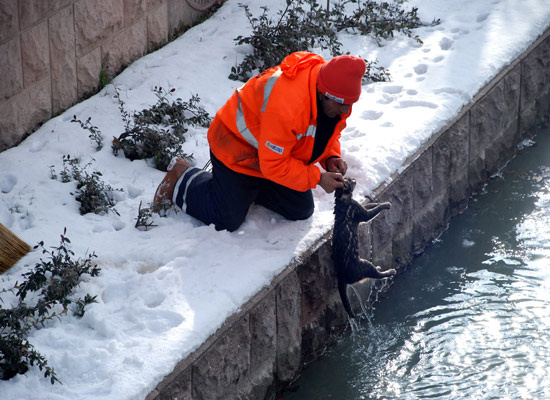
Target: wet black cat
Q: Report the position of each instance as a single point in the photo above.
(350, 268)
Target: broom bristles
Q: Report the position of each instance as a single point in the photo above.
(12, 249)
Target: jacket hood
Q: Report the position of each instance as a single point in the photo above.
(295, 62)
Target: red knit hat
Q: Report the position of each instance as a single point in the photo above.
(340, 78)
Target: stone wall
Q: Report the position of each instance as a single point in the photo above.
(52, 52)
(260, 350)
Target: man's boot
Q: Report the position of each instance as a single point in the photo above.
(165, 190)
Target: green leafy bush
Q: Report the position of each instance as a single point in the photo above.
(378, 19)
(305, 24)
(158, 132)
(95, 134)
(45, 294)
(145, 214)
(302, 25)
(92, 193)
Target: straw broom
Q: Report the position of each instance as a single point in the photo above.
(11, 249)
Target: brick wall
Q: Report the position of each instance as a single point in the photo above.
(53, 51)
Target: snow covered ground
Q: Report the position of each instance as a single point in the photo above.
(162, 292)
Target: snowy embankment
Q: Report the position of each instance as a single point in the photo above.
(163, 292)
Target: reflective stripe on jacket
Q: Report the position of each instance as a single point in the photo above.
(267, 127)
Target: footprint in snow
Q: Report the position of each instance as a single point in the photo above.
(371, 115)
(396, 89)
(482, 17)
(438, 59)
(449, 90)
(415, 103)
(421, 69)
(385, 100)
(7, 182)
(161, 320)
(38, 145)
(153, 299)
(446, 43)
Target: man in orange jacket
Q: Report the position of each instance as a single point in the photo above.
(266, 140)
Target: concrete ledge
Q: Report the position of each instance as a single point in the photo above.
(287, 325)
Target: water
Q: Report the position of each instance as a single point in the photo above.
(471, 318)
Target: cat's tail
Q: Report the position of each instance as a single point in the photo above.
(342, 289)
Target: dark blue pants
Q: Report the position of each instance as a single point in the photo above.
(224, 196)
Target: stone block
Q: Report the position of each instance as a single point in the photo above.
(37, 100)
(153, 4)
(383, 255)
(180, 14)
(201, 5)
(180, 388)
(511, 137)
(325, 330)
(64, 82)
(9, 20)
(542, 107)
(477, 173)
(33, 106)
(459, 141)
(95, 22)
(364, 232)
(511, 94)
(487, 119)
(124, 48)
(289, 335)
(11, 67)
(318, 280)
(494, 155)
(263, 347)
(430, 221)
(528, 118)
(535, 73)
(223, 369)
(494, 112)
(479, 128)
(459, 192)
(133, 11)
(400, 194)
(157, 27)
(35, 56)
(32, 11)
(441, 163)
(88, 68)
(9, 129)
(422, 180)
(382, 234)
(322, 314)
(402, 248)
(393, 228)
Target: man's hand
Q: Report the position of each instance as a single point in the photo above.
(331, 181)
(336, 164)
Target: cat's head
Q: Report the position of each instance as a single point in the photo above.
(347, 190)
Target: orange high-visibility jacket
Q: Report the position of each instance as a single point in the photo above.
(267, 127)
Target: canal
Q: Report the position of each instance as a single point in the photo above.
(470, 319)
